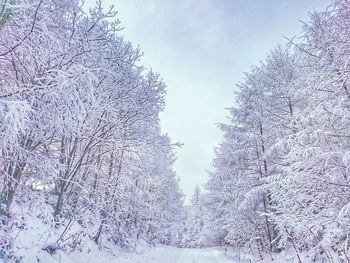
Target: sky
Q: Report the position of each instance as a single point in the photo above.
(201, 48)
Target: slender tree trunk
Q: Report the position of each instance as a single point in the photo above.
(59, 203)
(14, 172)
(263, 174)
(267, 199)
(99, 231)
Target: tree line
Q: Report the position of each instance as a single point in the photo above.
(281, 176)
(79, 127)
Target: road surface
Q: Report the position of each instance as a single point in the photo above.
(160, 254)
(205, 255)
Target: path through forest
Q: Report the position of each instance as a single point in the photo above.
(202, 256)
(189, 255)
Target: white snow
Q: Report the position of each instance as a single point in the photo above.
(161, 254)
(187, 255)
(29, 241)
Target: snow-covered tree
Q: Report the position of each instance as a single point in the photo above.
(280, 175)
(80, 132)
(195, 229)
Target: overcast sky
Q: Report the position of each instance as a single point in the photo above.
(201, 49)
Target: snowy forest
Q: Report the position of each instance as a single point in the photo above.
(280, 180)
(81, 147)
(87, 172)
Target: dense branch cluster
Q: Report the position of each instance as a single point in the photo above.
(281, 176)
(80, 139)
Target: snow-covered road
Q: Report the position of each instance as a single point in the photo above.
(201, 256)
(184, 255)
(161, 254)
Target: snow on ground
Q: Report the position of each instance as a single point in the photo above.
(161, 254)
(32, 236)
(187, 255)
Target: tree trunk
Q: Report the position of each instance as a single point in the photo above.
(59, 203)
